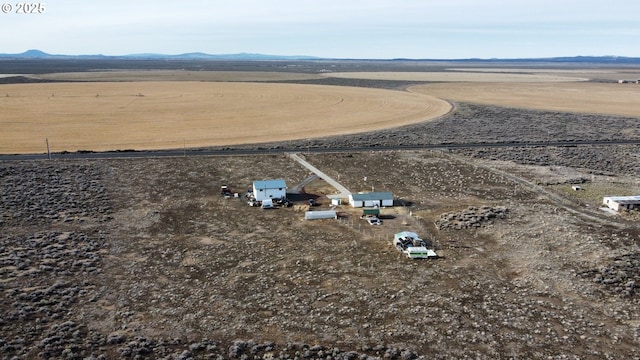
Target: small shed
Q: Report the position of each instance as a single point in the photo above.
(618, 203)
(371, 212)
(371, 199)
(269, 189)
(323, 214)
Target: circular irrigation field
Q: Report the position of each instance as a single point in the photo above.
(149, 115)
(540, 89)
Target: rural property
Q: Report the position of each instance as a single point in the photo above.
(113, 249)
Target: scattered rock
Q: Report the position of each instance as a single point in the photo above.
(472, 217)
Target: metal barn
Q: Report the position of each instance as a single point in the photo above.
(371, 199)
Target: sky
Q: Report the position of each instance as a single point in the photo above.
(361, 29)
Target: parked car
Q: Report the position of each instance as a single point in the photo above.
(267, 204)
(374, 221)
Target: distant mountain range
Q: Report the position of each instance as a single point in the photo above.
(38, 54)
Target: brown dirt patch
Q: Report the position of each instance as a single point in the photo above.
(160, 115)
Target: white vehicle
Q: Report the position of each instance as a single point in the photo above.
(267, 204)
(412, 245)
(374, 221)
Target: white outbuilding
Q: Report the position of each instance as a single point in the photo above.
(618, 203)
(269, 189)
(371, 199)
(323, 214)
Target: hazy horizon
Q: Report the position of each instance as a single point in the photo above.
(37, 53)
(373, 29)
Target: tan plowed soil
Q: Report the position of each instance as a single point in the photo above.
(164, 114)
(522, 76)
(580, 97)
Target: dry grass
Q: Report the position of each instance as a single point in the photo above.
(580, 97)
(542, 89)
(472, 76)
(160, 115)
(592, 193)
(161, 109)
(177, 75)
(585, 73)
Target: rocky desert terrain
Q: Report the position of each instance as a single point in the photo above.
(142, 258)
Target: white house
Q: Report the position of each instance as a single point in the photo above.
(269, 189)
(371, 199)
(618, 203)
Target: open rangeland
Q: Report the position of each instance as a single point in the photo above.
(142, 258)
(160, 115)
(126, 258)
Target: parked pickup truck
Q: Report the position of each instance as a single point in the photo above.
(412, 245)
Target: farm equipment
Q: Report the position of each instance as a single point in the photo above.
(225, 191)
(283, 202)
(252, 202)
(412, 245)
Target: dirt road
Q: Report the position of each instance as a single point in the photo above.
(343, 192)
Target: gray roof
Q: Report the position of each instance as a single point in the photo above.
(380, 195)
(624, 199)
(270, 184)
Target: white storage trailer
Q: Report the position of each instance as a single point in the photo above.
(618, 203)
(323, 214)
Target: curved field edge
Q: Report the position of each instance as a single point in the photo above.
(574, 97)
(102, 116)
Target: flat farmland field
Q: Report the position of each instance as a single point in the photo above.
(169, 109)
(578, 97)
(540, 89)
(173, 114)
(178, 75)
(460, 76)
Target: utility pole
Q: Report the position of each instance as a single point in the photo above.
(48, 149)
